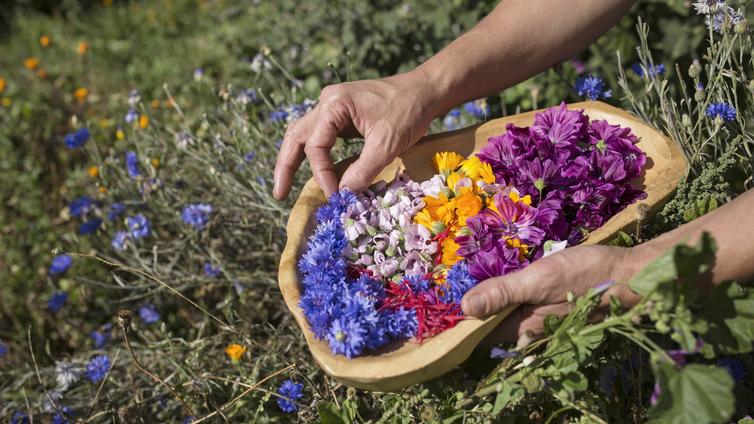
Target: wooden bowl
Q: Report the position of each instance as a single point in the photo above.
(401, 364)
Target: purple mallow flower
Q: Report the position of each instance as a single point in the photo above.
(97, 368)
(196, 215)
(290, 393)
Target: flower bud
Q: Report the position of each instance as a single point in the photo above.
(751, 85)
(699, 94)
(686, 120)
(741, 27)
(695, 69)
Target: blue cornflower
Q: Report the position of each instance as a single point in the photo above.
(90, 226)
(149, 314)
(367, 287)
(3, 349)
(212, 271)
(417, 282)
(101, 337)
(115, 210)
(459, 281)
(188, 420)
(119, 240)
(80, 206)
(60, 264)
(19, 418)
(592, 87)
(734, 366)
(132, 165)
(652, 70)
(196, 215)
(248, 157)
(131, 116)
(261, 181)
(722, 110)
(77, 138)
(478, 108)
(291, 391)
(57, 301)
(247, 96)
(278, 115)
(64, 418)
(347, 337)
(400, 323)
(138, 226)
(97, 368)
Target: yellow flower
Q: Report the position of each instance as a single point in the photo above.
(155, 163)
(472, 167)
(2, 85)
(119, 134)
(31, 63)
(452, 180)
(80, 94)
(6, 101)
(82, 48)
(485, 173)
(93, 171)
(143, 121)
(446, 162)
(449, 249)
(440, 209)
(44, 41)
(468, 205)
(523, 249)
(235, 351)
(516, 197)
(155, 104)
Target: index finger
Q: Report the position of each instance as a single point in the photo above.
(289, 159)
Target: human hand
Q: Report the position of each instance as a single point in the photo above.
(391, 114)
(542, 288)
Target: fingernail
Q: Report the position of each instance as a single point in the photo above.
(474, 305)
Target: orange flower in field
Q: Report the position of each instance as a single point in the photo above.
(80, 94)
(155, 163)
(107, 2)
(31, 63)
(82, 48)
(235, 351)
(2, 85)
(155, 104)
(93, 171)
(102, 189)
(143, 121)
(42, 74)
(44, 41)
(6, 101)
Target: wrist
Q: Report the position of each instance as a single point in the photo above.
(434, 89)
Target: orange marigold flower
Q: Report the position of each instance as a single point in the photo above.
(440, 209)
(31, 63)
(143, 121)
(44, 41)
(80, 94)
(468, 205)
(42, 74)
(82, 48)
(446, 162)
(93, 171)
(155, 163)
(449, 249)
(102, 189)
(235, 351)
(2, 85)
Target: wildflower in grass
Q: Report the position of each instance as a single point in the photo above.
(734, 366)
(57, 301)
(31, 63)
(143, 121)
(655, 396)
(453, 120)
(705, 7)
(114, 211)
(63, 416)
(93, 171)
(138, 226)
(249, 157)
(478, 108)
(196, 215)
(60, 264)
(3, 84)
(134, 98)
(44, 41)
(119, 134)
(42, 74)
(81, 94)
(212, 271)
(652, 71)
(498, 353)
(19, 417)
(721, 110)
(188, 420)
(119, 240)
(80, 206)
(131, 116)
(235, 351)
(132, 165)
(97, 368)
(592, 88)
(198, 74)
(723, 16)
(102, 336)
(66, 374)
(278, 143)
(77, 138)
(149, 314)
(291, 392)
(278, 115)
(3, 349)
(82, 48)
(90, 226)
(247, 96)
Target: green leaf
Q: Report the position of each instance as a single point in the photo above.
(729, 315)
(659, 271)
(329, 413)
(621, 239)
(509, 393)
(694, 394)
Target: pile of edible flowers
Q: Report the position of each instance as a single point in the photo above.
(394, 262)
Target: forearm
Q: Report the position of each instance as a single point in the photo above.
(732, 227)
(517, 40)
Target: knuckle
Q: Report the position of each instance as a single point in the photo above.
(331, 92)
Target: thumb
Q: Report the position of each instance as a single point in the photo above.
(360, 174)
(495, 294)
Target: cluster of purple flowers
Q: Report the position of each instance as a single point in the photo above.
(345, 309)
(575, 171)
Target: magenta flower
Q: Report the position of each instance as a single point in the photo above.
(512, 220)
(500, 260)
(560, 126)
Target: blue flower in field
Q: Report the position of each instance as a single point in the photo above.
(97, 368)
(261, 181)
(247, 96)
(196, 215)
(652, 70)
(497, 353)
(248, 157)
(57, 301)
(211, 271)
(290, 391)
(63, 416)
(592, 87)
(19, 418)
(149, 314)
(66, 374)
(119, 240)
(80, 206)
(131, 116)
(90, 226)
(101, 337)
(278, 115)
(188, 420)
(453, 120)
(478, 108)
(3, 349)
(77, 138)
(60, 264)
(721, 110)
(278, 143)
(138, 226)
(132, 165)
(734, 366)
(115, 210)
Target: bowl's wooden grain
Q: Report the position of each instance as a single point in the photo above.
(402, 364)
